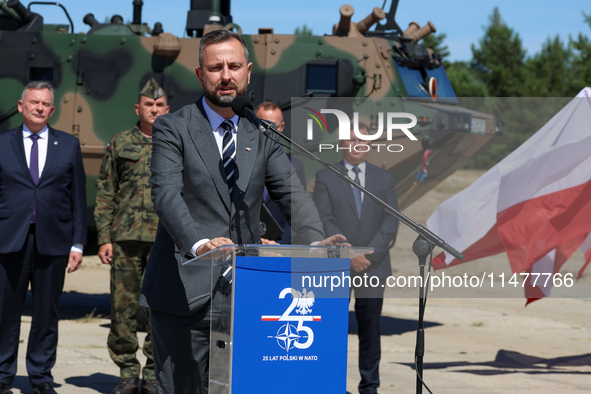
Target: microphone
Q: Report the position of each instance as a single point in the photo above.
(243, 107)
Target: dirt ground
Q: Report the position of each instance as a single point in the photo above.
(475, 342)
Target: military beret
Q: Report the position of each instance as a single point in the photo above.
(152, 90)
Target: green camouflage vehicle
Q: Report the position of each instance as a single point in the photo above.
(98, 75)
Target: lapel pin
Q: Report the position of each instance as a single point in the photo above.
(54, 142)
(248, 149)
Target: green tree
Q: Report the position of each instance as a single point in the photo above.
(304, 30)
(498, 63)
(499, 59)
(465, 80)
(553, 70)
(520, 118)
(581, 62)
(527, 92)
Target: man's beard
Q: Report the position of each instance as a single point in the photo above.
(225, 100)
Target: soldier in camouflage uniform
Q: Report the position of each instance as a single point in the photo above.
(126, 225)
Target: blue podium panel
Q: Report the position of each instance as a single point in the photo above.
(285, 339)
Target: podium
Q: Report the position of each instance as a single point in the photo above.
(279, 318)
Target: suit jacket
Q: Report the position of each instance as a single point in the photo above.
(192, 201)
(60, 195)
(298, 166)
(375, 228)
(286, 237)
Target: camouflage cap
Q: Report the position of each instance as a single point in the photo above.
(152, 90)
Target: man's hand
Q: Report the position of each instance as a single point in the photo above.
(266, 241)
(336, 239)
(105, 253)
(74, 261)
(360, 263)
(212, 244)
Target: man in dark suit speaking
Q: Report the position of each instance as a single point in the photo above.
(209, 168)
(42, 230)
(345, 210)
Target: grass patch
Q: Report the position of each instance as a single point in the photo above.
(90, 317)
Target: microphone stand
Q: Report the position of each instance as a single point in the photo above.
(422, 246)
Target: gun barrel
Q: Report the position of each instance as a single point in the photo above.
(344, 24)
(422, 32)
(90, 20)
(371, 20)
(412, 27)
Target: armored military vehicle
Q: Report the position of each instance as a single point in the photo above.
(97, 76)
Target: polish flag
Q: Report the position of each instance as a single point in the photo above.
(535, 204)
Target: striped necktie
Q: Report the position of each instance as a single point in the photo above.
(229, 153)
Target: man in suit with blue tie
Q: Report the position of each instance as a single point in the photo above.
(42, 232)
(345, 210)
(209, 170)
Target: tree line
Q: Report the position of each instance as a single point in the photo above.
(500, 68)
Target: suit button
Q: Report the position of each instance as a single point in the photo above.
(232, 227)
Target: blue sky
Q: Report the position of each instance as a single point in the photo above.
(461, 20)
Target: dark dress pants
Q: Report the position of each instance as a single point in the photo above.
(368, 313)
(180, 346)
(46, 275)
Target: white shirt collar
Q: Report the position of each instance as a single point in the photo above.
(215, 119)
(349, 166)
(42, 134)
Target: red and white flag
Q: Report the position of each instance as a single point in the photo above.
(535, 204)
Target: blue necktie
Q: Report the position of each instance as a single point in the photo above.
(357, 192)
(34, 168)
(229, 153)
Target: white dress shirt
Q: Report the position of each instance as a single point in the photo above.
(215, 120)
(42, 143)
